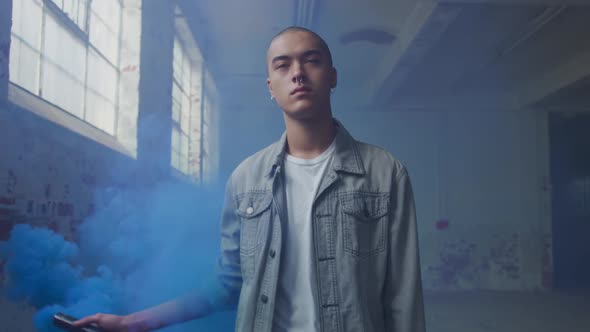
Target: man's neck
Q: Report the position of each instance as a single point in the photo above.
(307, 139)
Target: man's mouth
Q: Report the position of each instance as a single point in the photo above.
(302, 89)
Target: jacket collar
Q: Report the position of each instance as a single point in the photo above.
(346, 154)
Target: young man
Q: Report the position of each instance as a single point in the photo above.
(318, 230)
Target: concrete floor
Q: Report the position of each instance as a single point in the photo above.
(508, 311)
(448, 312)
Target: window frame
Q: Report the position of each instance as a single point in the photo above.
(196, 150)
(177, 124)
(48, 7)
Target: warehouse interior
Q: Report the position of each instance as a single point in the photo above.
(121, 120)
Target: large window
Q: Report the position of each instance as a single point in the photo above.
(193, 103)
(68, 53)
(81, 58)
(186, 102)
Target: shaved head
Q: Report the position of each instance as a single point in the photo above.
(297, 58)
(322, 42)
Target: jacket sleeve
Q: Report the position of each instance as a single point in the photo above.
(229, 275)
(403, 299)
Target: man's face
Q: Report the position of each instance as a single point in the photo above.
(300, 75)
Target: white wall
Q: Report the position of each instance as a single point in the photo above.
(481, 171)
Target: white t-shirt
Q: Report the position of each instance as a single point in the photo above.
(296, 302)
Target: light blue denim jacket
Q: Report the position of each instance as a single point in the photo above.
(365, 247)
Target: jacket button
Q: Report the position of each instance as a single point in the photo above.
(249, 210)
(264, 298)
(272, 253)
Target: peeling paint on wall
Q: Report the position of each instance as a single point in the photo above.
(462, 264)
(503, 256)
(455, 262)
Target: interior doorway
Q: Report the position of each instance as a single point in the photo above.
(570, 176)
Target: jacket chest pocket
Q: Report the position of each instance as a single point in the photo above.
(364, 223)
(255, 213)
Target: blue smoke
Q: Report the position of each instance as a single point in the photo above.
(141, 248)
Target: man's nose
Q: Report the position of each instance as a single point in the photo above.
(298, 74)
(299, 79)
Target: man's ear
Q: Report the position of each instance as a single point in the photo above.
(269, 86)
(334, 81)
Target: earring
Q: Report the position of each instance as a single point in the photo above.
(272, 97)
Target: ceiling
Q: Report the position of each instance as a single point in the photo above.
(408, 54)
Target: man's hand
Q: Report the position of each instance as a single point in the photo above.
(106, 322)
(175, 311)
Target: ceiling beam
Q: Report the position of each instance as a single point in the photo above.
(520, 2)
(422, 29)
(524, 96)
(544, 84)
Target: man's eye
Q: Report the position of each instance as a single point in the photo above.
(313, 60)
(282, 65)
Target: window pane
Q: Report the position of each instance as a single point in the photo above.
(100, 112)
(174, 160)
(82, 14)
(176, 103)
(25, 44)
(195, 136)
(103, 39)
(205, 139)
(24, 66)
(186, 110)
(61, 89)
(102, 77)
(75, 10)
(104, 28)
(108, 11)
(63, 67)
(175, 140)
(175, 148)
(186, 74)
(27, 21)
(102, 93)
(69, 10)
(58, 3)
(14, 62)
(195, 96)
(195, 154)
(63, 48)
(16, 16)
(207, 109)
(184, 153)
(177, 61)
